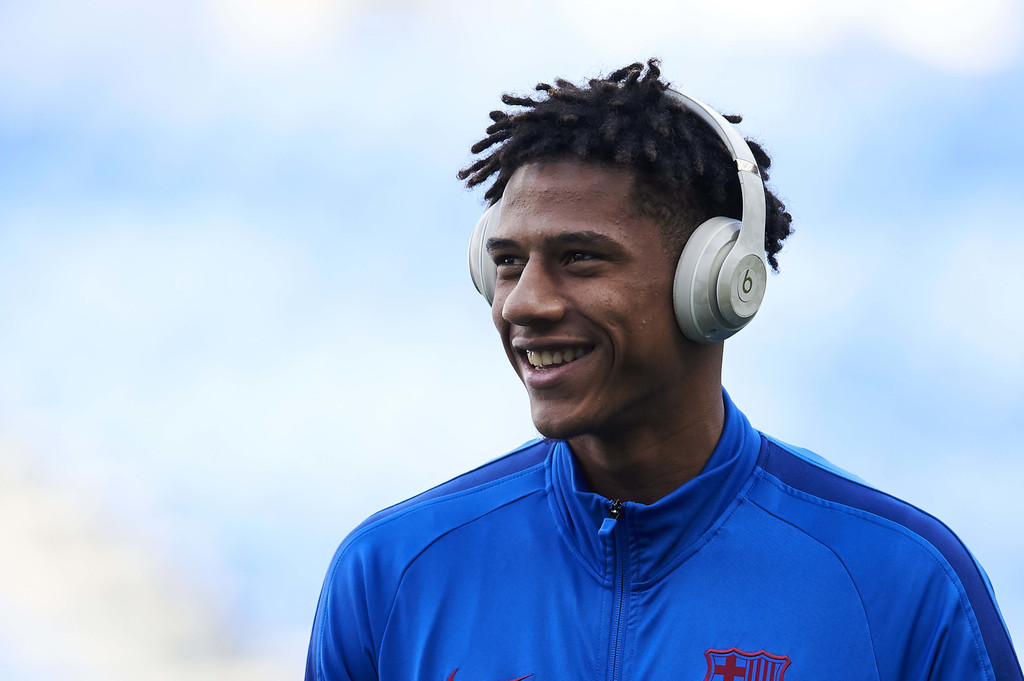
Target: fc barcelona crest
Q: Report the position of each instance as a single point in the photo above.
(735, 665)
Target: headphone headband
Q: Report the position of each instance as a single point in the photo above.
(751, 186)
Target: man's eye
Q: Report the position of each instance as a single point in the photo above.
(507, 260)
(579, 256)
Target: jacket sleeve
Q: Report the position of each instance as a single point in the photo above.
(956, 651)
(953, 629)
(343, 645)
(972, 641)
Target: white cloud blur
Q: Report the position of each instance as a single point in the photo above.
(81, 601)
(953, 35)
(191, 63)
(268, 29)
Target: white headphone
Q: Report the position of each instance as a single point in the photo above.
(721, 275)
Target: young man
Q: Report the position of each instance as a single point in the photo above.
(652, 534)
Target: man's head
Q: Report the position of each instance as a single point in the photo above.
(601, 186)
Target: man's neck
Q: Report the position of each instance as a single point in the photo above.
(647, 461)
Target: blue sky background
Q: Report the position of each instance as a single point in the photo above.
(235, 316)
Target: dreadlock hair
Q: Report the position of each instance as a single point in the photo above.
(684, 172)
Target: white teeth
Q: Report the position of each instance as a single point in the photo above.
(546, 358)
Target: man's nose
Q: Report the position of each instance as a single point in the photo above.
(534, 299)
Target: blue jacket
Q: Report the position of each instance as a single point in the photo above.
(771, 565)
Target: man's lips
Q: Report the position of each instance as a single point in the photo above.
(549, 363)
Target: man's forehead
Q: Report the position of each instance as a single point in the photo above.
(573, 190)
(571, 203)
(565, 180)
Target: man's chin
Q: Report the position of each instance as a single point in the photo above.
(557, 427)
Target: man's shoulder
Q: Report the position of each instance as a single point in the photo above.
(407, 528)
(899, 557)
(368, 568)
(495, 482)
(812, 489)
(847, 514)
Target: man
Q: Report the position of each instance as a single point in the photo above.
(652, 534)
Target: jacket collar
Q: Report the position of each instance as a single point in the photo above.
(663, 534)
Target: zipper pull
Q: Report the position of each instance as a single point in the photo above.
(608, 524)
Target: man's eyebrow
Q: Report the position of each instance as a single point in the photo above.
(582, 238)
(500, 244)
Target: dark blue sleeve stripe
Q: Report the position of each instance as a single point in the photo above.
(806, 477)
(526, 456)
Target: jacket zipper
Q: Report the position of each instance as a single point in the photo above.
(619, 561)
(608, 524)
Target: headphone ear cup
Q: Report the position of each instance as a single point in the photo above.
(481, 267)
(695, 289)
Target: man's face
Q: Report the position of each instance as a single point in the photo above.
(584, 300)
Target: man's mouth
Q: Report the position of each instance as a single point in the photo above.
(545, 359)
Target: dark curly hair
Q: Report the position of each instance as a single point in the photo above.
(685, 173)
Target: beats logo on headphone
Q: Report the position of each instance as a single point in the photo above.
(721, 275)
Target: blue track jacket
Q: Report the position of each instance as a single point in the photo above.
(771, 565)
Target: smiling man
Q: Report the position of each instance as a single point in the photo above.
(652, 533)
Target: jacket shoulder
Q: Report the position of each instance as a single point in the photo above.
(901, 558)
(508, 468)
(367, 569)
(394, 537)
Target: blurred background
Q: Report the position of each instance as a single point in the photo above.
(235, 314)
